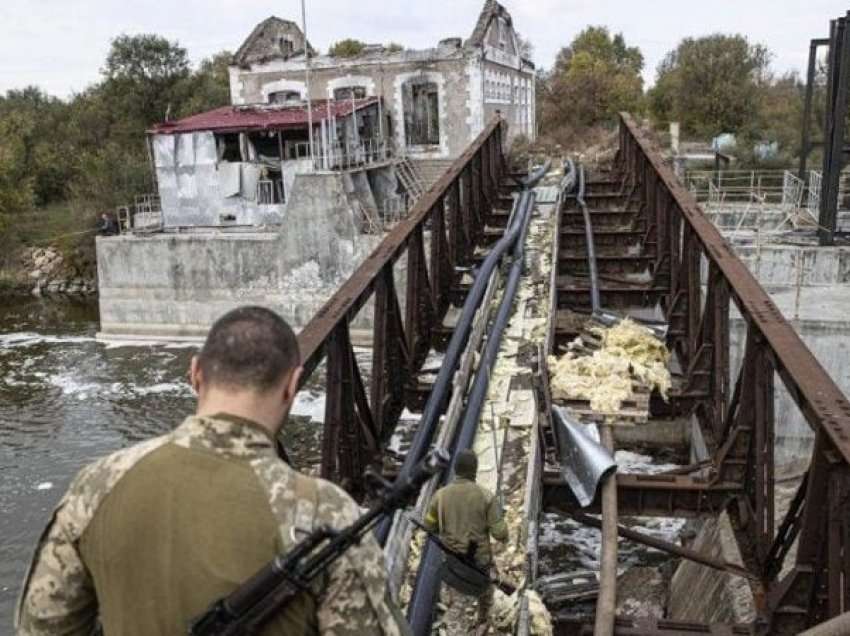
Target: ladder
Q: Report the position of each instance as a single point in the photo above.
(409, 176)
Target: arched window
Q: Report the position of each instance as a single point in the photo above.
(421, 112)
(347, 92)
(284, 97)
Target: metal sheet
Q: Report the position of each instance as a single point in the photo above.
(585, 463)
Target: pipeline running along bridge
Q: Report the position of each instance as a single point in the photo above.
(436, 283)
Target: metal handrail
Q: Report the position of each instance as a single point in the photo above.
(454, 211)
(354, 293)
(820, 400)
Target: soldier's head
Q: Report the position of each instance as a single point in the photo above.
(466, 464)
(249, 366)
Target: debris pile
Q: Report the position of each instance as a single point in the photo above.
(629, 353)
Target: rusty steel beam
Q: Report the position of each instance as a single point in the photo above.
(821, 401)
(647, 495)
(667, 546)
(358, 422)
(738, 421)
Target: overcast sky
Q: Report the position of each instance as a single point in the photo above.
(60, 45)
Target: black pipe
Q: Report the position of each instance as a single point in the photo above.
(424, 435)
(595, 301)
(427, 584)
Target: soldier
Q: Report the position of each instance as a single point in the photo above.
(465, 515)
(146, 538)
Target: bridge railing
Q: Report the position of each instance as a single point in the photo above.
(438, 235)
(737, 418)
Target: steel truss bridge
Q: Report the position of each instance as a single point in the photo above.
(644, 221)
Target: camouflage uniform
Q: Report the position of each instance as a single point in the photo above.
(146, 538)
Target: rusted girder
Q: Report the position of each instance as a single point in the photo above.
(737, 420)
(647, 495)
(453, 212)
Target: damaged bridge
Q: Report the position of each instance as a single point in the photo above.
(490, 273)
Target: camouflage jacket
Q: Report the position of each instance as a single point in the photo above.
(146, 538)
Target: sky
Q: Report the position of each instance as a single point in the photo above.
(60, 45)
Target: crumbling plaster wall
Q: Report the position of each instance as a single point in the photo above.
(196, 189)
(175, 285)
(459, 122)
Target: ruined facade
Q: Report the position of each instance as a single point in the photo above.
(437, 99)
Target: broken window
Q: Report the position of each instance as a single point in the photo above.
(285, 46)
(284, 97)
(347, 92)
(268, 148)
(227, 147)
(421, 113)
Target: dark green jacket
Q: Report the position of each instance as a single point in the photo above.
(463, 512)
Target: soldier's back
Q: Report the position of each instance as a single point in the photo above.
(149, 536)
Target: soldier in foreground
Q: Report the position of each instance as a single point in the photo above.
(147, 537)
(465, 516)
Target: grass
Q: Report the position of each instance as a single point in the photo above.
(59, 224)
(64, 226)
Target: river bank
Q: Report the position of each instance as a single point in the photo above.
(47, 271)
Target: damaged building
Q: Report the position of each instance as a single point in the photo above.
(437, 100)
(277, 197)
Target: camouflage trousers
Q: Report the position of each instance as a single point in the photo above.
(464, 613)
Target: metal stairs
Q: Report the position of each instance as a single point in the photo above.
(409, 177)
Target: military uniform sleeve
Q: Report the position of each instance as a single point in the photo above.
(58, 596)
(495, 521)
(355, 600)
(432, 517)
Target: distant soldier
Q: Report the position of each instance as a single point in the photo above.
(146, 538)
(465, 515)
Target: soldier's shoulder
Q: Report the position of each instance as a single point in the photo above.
(97, 479)
(289, 490)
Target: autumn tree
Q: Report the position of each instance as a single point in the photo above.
(593, 78)
(710, 84)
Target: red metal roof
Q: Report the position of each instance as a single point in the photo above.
(248, 118)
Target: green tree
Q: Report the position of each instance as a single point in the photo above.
(16, 186)
(347, 48)
(206, 88)
(594, 78)
(710, 84)
(45, 151)
(143, 74)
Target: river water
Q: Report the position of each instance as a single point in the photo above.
(66, 398)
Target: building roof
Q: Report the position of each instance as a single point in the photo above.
(261, 117)
(243, 54)
(489, 12)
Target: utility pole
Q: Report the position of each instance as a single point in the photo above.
(307, 79)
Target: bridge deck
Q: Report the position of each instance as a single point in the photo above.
(658, 256)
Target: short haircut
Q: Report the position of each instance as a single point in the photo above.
(249, 348)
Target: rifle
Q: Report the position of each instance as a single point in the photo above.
(257, 600)
(467, 559)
